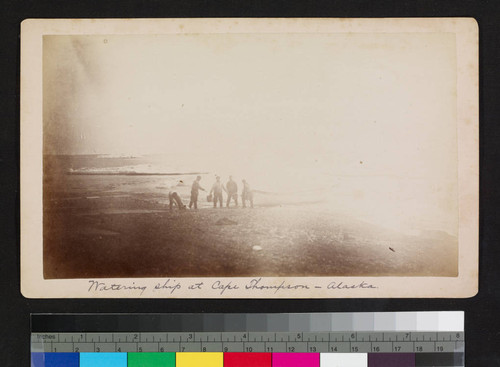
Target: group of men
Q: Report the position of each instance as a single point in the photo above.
(231, 189)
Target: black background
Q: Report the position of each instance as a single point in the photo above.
(482, 323)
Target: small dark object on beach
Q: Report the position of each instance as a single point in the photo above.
(225, 221)
(390, 248)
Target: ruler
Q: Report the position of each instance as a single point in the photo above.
(429, 337)
(282, 342)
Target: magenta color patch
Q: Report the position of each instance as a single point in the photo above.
(295, 359)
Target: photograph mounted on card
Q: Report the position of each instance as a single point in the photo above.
(249, 158)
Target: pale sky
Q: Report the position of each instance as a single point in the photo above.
(299, 101)
(294, 111)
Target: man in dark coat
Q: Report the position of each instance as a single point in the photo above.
(217, 189)
(232, 191)
(194, 193)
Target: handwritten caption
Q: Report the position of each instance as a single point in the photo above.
(222, 287)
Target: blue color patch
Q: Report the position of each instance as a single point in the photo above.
(54, 360)
(103, 359)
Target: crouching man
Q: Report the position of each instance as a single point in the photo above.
(175, 199)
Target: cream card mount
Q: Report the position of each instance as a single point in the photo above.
(249, 158)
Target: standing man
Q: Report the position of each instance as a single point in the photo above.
(232, 191)
(246, 194)
(194, 192)
(217, 191)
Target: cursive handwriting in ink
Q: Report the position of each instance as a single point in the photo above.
(102, 287)
(224, 287)
(169, 284)
(196, 286)
(255, 284)
(342, 285)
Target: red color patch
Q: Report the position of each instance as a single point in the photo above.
(247, 360)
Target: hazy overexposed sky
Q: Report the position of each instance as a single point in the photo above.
(286, 111)
(362, 103)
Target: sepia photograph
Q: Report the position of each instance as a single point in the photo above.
(264, 154)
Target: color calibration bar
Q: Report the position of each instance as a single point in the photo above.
(324, 339)
(246, 359)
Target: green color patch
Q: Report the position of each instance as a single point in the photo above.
(151, 360)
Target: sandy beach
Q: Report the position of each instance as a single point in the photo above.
(112, 234)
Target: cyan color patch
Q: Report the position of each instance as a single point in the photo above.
(103, 359)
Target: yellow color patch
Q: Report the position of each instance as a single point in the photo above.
(199, 359)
